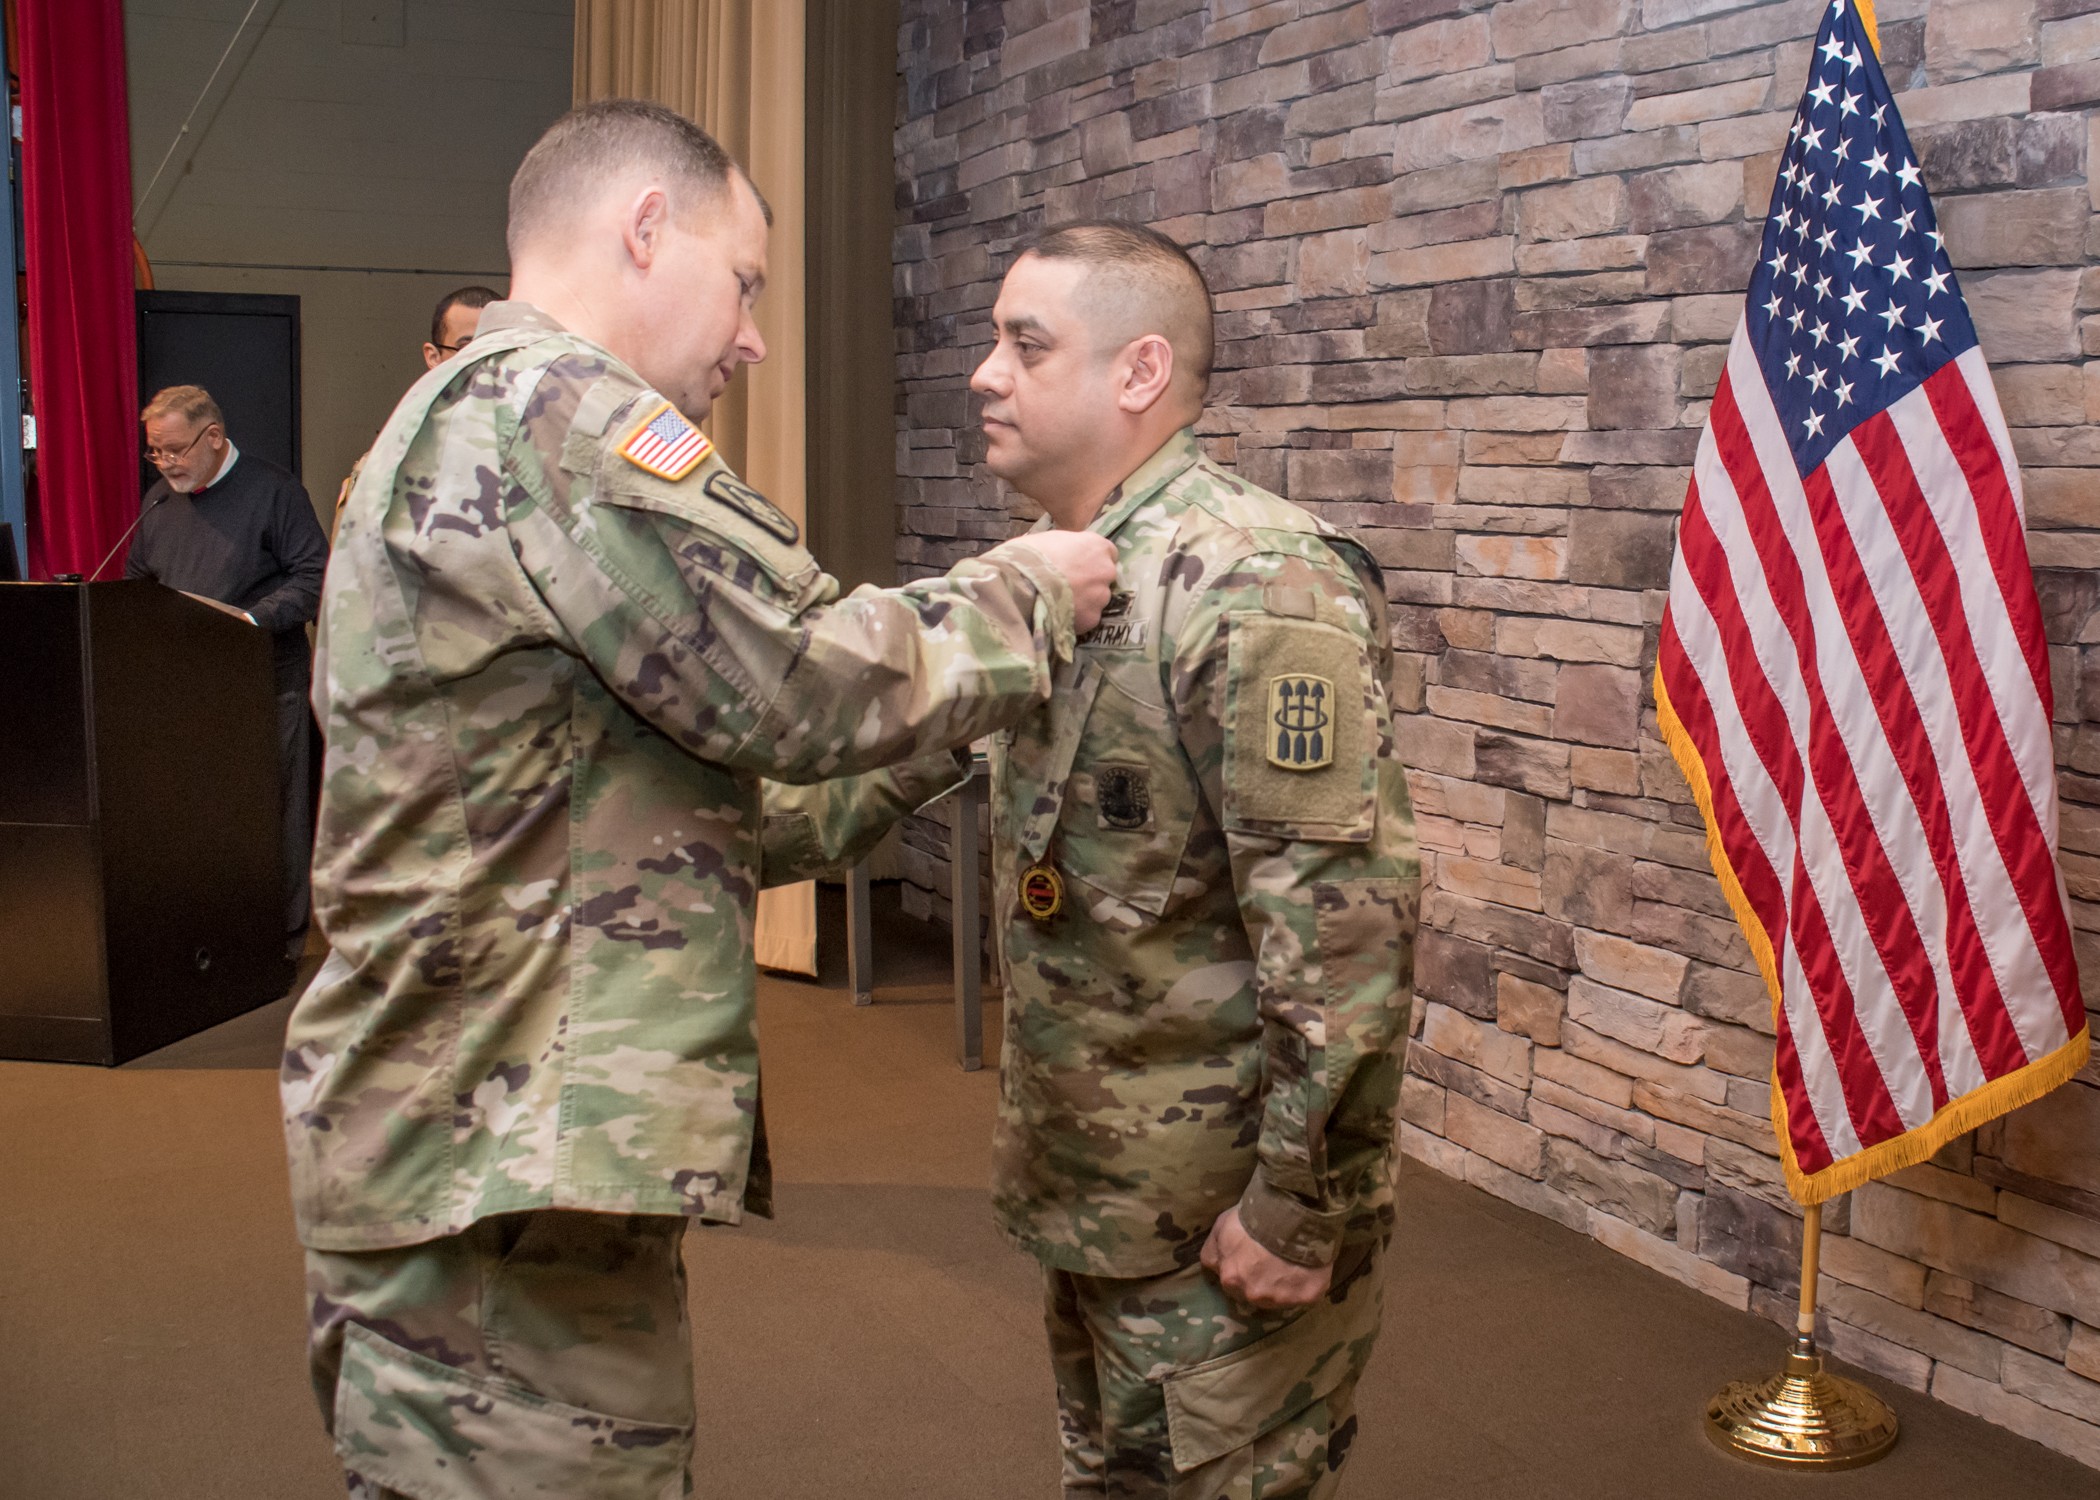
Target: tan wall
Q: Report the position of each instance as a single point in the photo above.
(388, 163)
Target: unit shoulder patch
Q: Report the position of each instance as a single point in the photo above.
(749, 503)
(1301, 727)
(1298, 724)
(666, 445)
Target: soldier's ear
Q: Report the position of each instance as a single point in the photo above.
(1147, 373)
(643, 225)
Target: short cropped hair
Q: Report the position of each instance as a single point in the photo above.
(1140, 282)
(467, 296)
(588, 146)
(193, 403)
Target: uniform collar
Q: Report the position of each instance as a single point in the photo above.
(500, 315)
(1175, 457)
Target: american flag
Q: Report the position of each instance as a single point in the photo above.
(667, 444)
(1853, 674)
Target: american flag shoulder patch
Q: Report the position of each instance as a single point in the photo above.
(666, 444)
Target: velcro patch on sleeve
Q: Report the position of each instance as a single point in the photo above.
(666, 444)
(1298, 734)
(750, 504)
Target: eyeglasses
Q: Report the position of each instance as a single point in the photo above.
(160, 458)
(448, 350)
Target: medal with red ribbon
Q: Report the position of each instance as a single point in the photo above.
(1042, 891)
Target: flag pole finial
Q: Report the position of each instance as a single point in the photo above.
(1804, 1417)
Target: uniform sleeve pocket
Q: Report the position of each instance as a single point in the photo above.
(728, 535)
(1300, 730)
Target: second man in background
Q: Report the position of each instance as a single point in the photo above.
(452, 325)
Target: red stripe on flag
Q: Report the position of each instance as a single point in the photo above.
(1753, 873)
(1767, 728)
(1902, 723)
(1885, 913)
(1804, 1132)
(1746, 856)
(2020, 839)
(1869, 1101)
(2004, 540)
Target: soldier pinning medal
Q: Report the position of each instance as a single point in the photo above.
(561, 644)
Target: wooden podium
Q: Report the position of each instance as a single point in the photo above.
(141, 886)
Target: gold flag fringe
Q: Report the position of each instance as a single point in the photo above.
(1865, 10)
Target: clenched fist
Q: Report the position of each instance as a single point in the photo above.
(1255, 1276)
(1089, 565)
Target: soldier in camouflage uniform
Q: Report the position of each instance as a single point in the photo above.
(1205, 875)
(560, 646)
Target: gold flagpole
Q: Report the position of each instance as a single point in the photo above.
(1803, 1417)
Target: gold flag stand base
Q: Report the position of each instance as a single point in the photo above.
(1804, 1417)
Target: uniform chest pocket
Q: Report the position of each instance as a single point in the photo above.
(1132, 796)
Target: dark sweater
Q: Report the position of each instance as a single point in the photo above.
(251, 540)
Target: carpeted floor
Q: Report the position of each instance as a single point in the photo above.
(877, 1340)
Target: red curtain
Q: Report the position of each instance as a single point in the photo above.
(76, 212)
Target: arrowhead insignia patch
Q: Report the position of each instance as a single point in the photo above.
(1301, 722)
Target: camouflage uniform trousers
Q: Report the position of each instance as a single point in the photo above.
(534, 1354)
(1167, 1389)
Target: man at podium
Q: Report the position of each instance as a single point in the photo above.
(236, 528)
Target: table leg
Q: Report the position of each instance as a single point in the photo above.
(969, 949)
(860, 941)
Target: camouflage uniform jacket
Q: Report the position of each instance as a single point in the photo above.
(1216, 1014)
(551, 681)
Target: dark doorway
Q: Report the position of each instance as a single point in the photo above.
(242, 347)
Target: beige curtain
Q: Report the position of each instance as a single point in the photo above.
(736, 68)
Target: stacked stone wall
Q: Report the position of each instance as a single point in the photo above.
(1476, 266)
